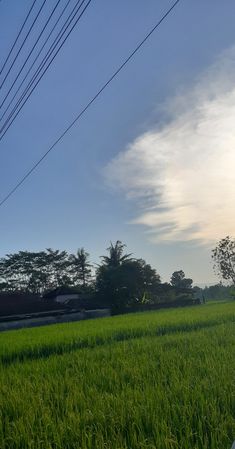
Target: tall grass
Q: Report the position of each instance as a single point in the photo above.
(159, 380)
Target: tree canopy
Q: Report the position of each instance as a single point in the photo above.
(80, 267)
(119, 282)
(223, 256)
(179, 280)
(122, 280)
(37, 272)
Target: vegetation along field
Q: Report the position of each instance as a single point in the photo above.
(161, 380)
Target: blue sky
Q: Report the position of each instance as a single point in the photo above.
(127, 170)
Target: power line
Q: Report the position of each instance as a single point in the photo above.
(26, 37)
(17, 37)
(37, 73)
(36, 58)
(31, 51)
(33, 168)
(41, 66)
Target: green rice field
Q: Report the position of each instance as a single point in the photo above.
(154, 380)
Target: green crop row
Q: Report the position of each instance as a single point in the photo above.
(159, 380)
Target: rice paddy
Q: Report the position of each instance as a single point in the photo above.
(154, 380)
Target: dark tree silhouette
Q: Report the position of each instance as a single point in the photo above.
(116, 255)
(179, 280)
(223, 256)
(122, 281)
(81, 267)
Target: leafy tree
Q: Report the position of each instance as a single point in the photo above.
(81, 267)
(150, 282)
(223, 256)
(35, 272)
(122, 280)
(113, 276)
(17, 271)
(117, 286)
(217, 291)
(179, 280)
(56, 268)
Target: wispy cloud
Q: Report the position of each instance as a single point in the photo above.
(182, 175)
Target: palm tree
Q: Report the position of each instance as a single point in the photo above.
(116, 256)
(82, 266)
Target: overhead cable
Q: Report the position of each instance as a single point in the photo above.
(19, 105)
(26, 37)
(36, 58)
(17, 37)
(29, 54)
(76, 119)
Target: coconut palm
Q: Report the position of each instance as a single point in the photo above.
(116, 255)
(81, 266)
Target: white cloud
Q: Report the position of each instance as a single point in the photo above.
(182, 176)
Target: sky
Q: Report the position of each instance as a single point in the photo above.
(151, 163)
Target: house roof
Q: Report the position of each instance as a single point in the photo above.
(60, 291)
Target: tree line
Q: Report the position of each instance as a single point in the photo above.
(38, 272)
(217, 292)
(118, 281)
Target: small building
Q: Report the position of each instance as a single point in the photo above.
(70, 298)
(62, 295)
